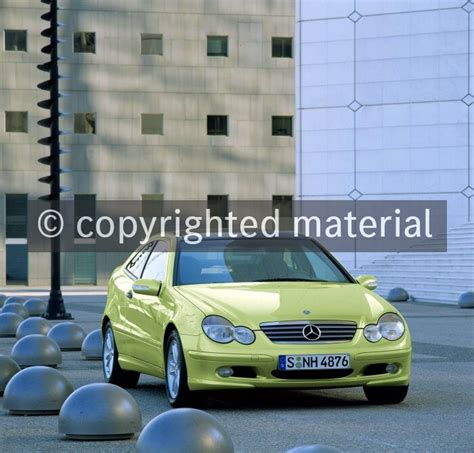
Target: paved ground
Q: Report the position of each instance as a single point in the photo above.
(437, 416)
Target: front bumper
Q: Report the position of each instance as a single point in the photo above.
(204, 357)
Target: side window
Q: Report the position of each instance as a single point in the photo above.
(136, 264)
(156, 266)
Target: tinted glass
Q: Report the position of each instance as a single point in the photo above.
(254, 260)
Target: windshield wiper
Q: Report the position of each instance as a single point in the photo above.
(289, 279)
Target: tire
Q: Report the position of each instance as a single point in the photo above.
(176, 376)
(386, 395)
(113, 373)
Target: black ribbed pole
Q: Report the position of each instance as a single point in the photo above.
(56, 308)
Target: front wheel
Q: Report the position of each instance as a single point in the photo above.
(387, 394)
(113, 373)
(176, 381)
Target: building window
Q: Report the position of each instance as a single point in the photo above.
(84, 123)
(84, 42)
(16, 245)
(152, 205)
(84, 205)
(152, 123)
(282, 47)
(16, 40)
(282, 125)
(152, 44)
(217, 46)
(16, 122)
(284, 203)
(218, 205)
(217, 125)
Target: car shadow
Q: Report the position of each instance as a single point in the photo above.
(262, 399)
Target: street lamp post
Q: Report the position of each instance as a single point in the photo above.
(56, 308)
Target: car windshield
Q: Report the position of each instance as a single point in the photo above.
(254, 260)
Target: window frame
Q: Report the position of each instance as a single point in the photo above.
(84, 51)
(157, 35)
(95, 123)
(26, 122)
(210, 37)
(7, 30)
(162, 123)
(281, 46)
(275, 117)
(226, 134)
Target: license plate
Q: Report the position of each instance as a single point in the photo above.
(313, 362)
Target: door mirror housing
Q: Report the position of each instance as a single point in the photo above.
(147, 287)
(367, 281)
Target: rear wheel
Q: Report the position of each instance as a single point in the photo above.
(386, 395)
(113, 373)
(176, 378)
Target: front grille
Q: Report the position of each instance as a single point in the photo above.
(292, 331)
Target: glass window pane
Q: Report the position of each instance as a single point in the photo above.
(218, 205)
(16, 211)
(217, 125)
(136, 264)
(282, 125)
(282, 47)
(84, 123)
(152, 123)
(16, 122)
(16, 264)
(152, 44)
(16, 40)
(217, 46)
(156, 266)
(84, 42)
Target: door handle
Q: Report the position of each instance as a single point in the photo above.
(129, 294)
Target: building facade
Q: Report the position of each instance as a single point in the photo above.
(385, 99)
(177, 100)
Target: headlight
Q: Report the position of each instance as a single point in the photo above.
(390, 326)
(222, 331)
(372, 333)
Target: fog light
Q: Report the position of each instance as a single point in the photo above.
(392, 368)
(225, 371)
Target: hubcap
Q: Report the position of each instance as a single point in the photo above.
(173, 369)
(109, 352)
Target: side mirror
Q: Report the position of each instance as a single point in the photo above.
(147, 287)
(367, 281)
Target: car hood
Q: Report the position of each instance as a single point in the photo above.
(252, 303)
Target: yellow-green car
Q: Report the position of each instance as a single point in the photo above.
(243, 313)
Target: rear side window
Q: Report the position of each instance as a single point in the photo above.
(155, 268)
(137, 263)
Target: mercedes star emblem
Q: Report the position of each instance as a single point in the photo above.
(311, 332)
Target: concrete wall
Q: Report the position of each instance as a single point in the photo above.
(185, 85)
(384, 95)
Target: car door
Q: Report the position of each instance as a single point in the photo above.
(131, 321)
(149, 313)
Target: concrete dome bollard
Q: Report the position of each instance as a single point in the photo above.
(35, 307)
(9, 323)
(32, 326)
(37, 390)
(466, 300)
(35, 350)
(185, 431)
(314, 449)
(398, 295)
(100, 412)
(19, 309)
(92, 346)
(68, 335)
(15, 300)
(8, 369)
